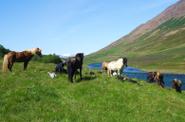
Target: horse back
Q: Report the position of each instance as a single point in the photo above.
(11, 56)
(23, 56)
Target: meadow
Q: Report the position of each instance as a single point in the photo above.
(32, 95)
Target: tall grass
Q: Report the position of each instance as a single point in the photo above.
(32, 95)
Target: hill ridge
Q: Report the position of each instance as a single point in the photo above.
(174, 11)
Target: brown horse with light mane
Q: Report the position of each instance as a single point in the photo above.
(24, 56)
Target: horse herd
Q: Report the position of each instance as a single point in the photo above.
(116, 68)
(75, 63)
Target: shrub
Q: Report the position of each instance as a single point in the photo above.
(3, 51)
(51, 58)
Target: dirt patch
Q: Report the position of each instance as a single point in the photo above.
(171, 33)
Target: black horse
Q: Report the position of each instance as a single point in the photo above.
(125, 61)
(73, 64)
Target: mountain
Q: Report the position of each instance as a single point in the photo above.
(158, 44)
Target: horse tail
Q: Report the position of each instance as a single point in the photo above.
(5, 63)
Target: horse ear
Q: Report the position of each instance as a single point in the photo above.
(39, 49)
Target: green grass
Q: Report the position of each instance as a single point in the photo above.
(159, 49)
(33, 96)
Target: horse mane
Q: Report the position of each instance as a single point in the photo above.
(120, 60)
(33, 50)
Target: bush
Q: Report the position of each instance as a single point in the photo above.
(3, 51)
(51, 58)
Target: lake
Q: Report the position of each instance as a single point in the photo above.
(132, 72)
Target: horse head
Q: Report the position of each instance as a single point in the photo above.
(125, 61)
(79, 57)
(177, 84)
(36, 51)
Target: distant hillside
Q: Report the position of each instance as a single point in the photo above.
(157, 44)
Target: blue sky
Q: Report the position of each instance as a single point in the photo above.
(69, 26)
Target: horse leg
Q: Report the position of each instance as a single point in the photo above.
(108, 72)
(10, 65)
(80, 73)
(118, 72)
(69, 70)
(72, 74)
(70, 78)
(25, 65)
(75, 72)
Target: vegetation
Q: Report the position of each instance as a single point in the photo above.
(160, 49)
(3, 51)
(47, 59)
(32, 95)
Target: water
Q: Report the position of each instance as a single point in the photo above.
(132, 72)
(96, 66)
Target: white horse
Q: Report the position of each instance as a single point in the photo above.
(116, 66)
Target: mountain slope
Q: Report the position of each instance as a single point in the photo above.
(157, 44)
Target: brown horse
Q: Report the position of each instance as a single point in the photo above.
(156, 77)
(24, 56)
(159, 79)
(177, 84)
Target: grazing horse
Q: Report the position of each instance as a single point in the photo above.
(159, 79)
(24, 56)
(177, 84)
(73, 64)
(116, 66)
(104, 65)
(151, 76)
(156, 77)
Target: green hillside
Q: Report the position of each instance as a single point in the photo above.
(33, 96)
(160, 49)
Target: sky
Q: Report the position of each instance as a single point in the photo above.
(66, 27)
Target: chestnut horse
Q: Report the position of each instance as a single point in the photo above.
(156, 77)
(24, 56)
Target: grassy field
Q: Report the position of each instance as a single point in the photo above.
(33, 96)
(161, 49)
